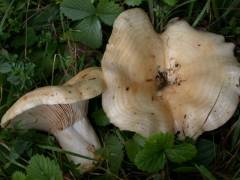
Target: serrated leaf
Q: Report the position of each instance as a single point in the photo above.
(18, 175)
(108, 11)
(133, 2)
(181, 153)
(152, 157)
(170, 2)
(132, 148)
(150, 161)
(88, 32)
(77, 9)
(113, 153)
(160, 141)
(206, 152)
(5, 68)
(100, 118)
(140, 140)
(205, 172)
(42, 168)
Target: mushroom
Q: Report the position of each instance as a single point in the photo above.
(62, 111)
(183, 80)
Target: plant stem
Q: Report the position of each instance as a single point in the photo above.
(151, 12)
(200, 16)
(5, 15)
(26, 27)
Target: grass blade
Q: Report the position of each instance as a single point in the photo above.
(201, 15)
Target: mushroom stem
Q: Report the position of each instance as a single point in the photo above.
(84, 128)
(76, 139)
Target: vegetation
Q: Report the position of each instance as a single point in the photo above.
(47, 42)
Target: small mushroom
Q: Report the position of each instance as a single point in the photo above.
(182, 80)
(62, 111)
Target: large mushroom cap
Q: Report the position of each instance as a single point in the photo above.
(61, 110)
(181, 80)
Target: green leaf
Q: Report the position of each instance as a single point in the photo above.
(42, 168)
(4, 5)
(236, 133)
(132, 148)
(108, 11)
(206, 151)
(150, 161)
(134, 145)
(88, 32)
(160, 141)
(45, 16)
(100, 118)
(152, 157)
(31, 37)
(20, 146)
(140, 140)
(170, 2)
(18, 175)
(77, 9)
(113, 153)
(15, 80)
(205, 172)
(181, 153)
(5, 68)
(133, 2)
